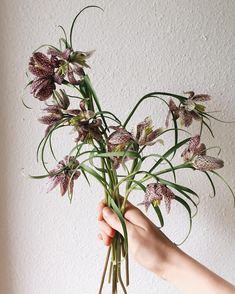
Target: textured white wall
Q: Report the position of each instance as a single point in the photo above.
(46, 244)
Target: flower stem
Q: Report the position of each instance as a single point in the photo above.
(105, 270)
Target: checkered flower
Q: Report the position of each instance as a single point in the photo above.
(155, 193)
(64, 175)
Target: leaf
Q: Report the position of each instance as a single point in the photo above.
(226, 183)
(83, 172)
(177, 186)
(87, 81)
(39, 177)
(169, 152)
(152, 95)
(93, 173)
(185, 204)
(170, 164)
(115, 118)
(159, 214)
(209, 128)
(73, 23)
(120, 216)
(211, 182)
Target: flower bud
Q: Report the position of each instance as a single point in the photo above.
(207, 163)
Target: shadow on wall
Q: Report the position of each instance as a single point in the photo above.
(6, 285)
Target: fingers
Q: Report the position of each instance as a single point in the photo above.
(100, 208)
(106, 239)
(104, 227)
(136, 217)
(113, 221)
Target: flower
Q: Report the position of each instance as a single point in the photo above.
(119, 141)
(64, 175)
(43, 68)
(207, 163)
(55, 112)
(188, 109)
(194, 148)
(54, 115)
(144, 134)
(196, 153)
(85, 124)
(155, 192)
(71, 63)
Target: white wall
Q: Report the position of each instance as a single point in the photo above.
(46, 244)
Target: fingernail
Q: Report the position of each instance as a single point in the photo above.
(107, 212)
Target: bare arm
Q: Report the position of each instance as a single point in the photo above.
(154, 251)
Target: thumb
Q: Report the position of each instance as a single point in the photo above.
(112, 219)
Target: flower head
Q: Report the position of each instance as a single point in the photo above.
(85, 124)
(194, 148)
(207, 163)
(44, 69)
(64, 175)
(188, 109)
(119, 141)
(144, 134)
(71, 63)
(155, 192)
(55, 112)
(196, 153)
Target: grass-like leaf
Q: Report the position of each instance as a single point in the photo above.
(185, 204)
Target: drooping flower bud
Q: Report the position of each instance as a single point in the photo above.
(155, 192)
(207, 163)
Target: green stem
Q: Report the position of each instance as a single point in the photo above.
(105, 270)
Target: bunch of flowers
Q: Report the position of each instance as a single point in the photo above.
(121, 150)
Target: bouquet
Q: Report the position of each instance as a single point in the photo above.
(110, 150)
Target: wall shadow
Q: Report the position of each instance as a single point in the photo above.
(6, 284)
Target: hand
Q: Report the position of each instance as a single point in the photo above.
(148, 245)
(154, 251)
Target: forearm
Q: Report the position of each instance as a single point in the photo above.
(191, 277)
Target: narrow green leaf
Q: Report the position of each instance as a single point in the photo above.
(226, 183)
(211, 182)
(185, 204)
(159, 214)
(169, 152)
(120, 216)
(73, 23)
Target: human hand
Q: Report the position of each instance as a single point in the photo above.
(148, 245)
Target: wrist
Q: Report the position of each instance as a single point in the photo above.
(171, 263)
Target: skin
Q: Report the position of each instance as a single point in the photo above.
(154, 251)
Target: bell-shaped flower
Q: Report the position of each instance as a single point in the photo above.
(196, 154)
(44, 69)
(71, 63)
(144, 134)
(155, 193)
(119, 141)
(87, 126)
(65, 173)
(188, 110)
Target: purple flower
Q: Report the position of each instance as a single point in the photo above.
(196, 153)
(118, 141)
(71, 63)
(144, 134)
(194, 148)
(54, 115)
(64, 175)
(85, 124)
(188, 110)
(207, 163)
(44, 69)
(155, 192)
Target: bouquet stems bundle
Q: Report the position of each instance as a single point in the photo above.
(111, 152)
